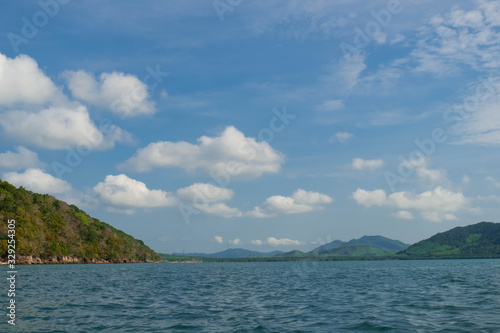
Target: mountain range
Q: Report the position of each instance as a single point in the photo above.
(51, 231)
(364, 246)
(481, 240)
(233, 253)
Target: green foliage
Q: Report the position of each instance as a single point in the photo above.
(47, 227)
(356, 250)
(477, 240)
(83, 217)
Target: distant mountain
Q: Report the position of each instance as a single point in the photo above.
(51, 231)
(366, 245)
(356, 250)
(294, 253)
(476, 240)
(328, 246)
(233, 253)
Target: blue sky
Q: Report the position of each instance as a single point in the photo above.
(205, 125)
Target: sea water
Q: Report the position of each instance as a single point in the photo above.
(353, 296)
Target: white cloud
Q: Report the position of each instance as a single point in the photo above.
(300, 202)
(218, 209)
(397, 39)
(481, 124)
(344, 74)
(494, 198)
(124, 192)
(428, 176)
(370, 198)
(219, 239)
(465, 179)
(235, 241)
(230, 153)
(434, 205)
(332, 105)
(361, 164)
(208, 199)
(38, 181)
(341, 137)
(277, 242)
(403, 214)
(23, 159)
(205, 193)
(493, 181)
(283, 242)
(123, 94)
(461, 37)
(59, 128)
(21, 81)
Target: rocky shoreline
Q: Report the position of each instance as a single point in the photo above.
(30, 260)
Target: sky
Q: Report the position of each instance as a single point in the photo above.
(199, 126)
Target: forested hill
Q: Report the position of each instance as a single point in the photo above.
(51, 231)
(473, 241)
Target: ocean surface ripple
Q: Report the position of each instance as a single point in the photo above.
(355, 296)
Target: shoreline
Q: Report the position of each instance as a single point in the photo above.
(65, 260)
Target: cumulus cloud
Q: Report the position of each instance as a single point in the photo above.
(208, 198)
(23, 159)
(219, 239)
(206, 193)
(38, 181)
(230, 153)
(123, 94)
(300, 202)
(235, 241)
(370, 198)
(123, 192)
(59, 128)
(361, 164)
(21, 81)
(403, 214)
(283, 242)
(218, 209)
(436, 205)
(341, 137)
(277, 242)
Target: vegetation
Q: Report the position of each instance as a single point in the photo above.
(481, 240)
(47, 227)
(356, 250)
(362, 247)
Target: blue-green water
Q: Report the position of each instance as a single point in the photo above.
(399, 296)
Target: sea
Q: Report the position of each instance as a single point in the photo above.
(348, 296)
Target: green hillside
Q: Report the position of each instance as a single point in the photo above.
(473, 241)
(293, 253)
(48, 228)
(356, 250)
(364, 246)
